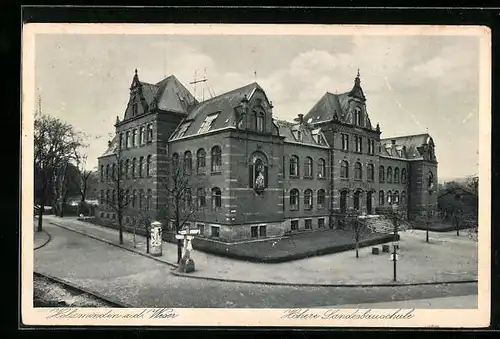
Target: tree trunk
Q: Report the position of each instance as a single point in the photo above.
(147, 239)
(40, 215)
(120, 226)
(357, 246)
(179, 250)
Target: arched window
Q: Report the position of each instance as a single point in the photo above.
(127, 139)
(320, 202)
(356, 198)
(216, 160)
(149, 200)
(294, 166)
(121, 140)
(358, 171)
(133, 168)
(126, 169)
(200, 161)
(389, 197)
(102, 172)
(396, 175)
(141, 198)
(395, 197)
(370, 172)
(381, 198)
(200, 198)
(113, 172)
(188, 163)
(121, 169)
(134, 198)
(101, 200)
(389, 174)
(127, 197)
(403, 176)
(403, 198)
(107, 172)
(430, 180)
(141, 135)
(321, 168)
(134, 137)
(107, 197)
(308, 199)
(139, 168)
(260, 122)
(150, 132)
(344, 169)
(216, 198)
(148, 166)
(357, 116)
(294, 199)
(113, 197)
(308, 170)
(343, 201)
(381, 174)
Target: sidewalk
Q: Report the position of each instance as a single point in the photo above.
(446, 258)
(462, 302)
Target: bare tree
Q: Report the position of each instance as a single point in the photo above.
(181, 207)
(472, 183)
(359, 230)
(82, 180)
(54, 142)
(143, 220)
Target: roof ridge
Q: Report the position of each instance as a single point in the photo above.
(229, 92)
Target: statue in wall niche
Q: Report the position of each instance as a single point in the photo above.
(259, 179)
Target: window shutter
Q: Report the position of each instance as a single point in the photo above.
(265, 176)
(250, 176)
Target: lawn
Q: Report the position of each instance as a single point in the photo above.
(298, 246)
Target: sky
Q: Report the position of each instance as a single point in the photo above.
(413, 84)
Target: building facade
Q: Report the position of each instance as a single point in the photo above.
(228, 167)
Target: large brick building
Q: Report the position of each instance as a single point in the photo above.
(252, 176)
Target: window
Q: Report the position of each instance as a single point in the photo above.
(208, 123)
(188, 199)
(127, 197)
(389, 174)
(149, 200)
(321, 199)
(216, 198)
(403, 176)
(107, 197)
(294, 199)
(356, 198)
(298, 135)
(215, 231)
(403, 198)
(308, 199)
(107, 172)
(396, 175)
(430, 180)
(188, 163)
(321, 168)
(381, 198)
(134, 198)
(389, 197)
(345, 141)
(113, 172)
(357, 116)
(175, 161)
(370, 172)
(127, 139)
(344, 169)
(182, 130)
(148, 166)
(141, 198)
(127, 165)
(254, 231)
(395, 197)
(262, 231)
(139, 168)
(134, 109)
(260, 122)
(101, 200)
(150, 132)
(294, 225)
(121, 140)
(102, 172)
(200, 161)
(142, 133)
(358, 171)
(200, 197)
(294, 166)
(381, 174)
(321, 222)
(308, 224)
(121, 169)
(134, 137)
(371, 146)
(358, 141)
(216, 159)
(308, 170)
(201, 228)
(133, 168)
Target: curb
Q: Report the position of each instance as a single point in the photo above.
(113, 244)
(82, 289)
(45, 243)
(322, 285)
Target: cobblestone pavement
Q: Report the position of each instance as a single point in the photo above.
(445, 258)
(142, 282)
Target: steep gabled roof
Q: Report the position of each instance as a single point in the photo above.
(410, 143)
(224, 105)
(308, 135)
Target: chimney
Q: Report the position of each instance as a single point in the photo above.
(393, 142)
(301, 119)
